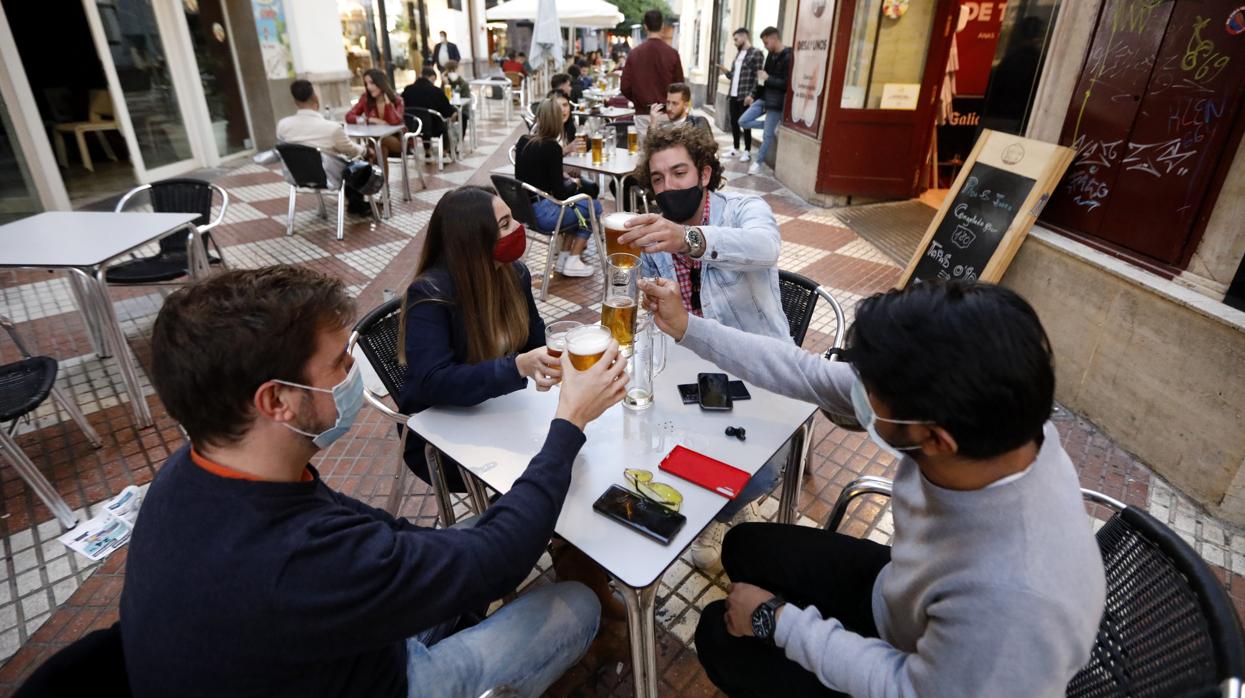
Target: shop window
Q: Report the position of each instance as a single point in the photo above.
(886, 57)
(1153, 120)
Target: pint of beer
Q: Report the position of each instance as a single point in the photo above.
(621, 299)
(633, 140)
(615, 225)
(586, 345)
(597, 142)
(618, 314)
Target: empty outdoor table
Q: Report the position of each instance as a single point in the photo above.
(373, 133)
(496, 440)
(84, 243)
(607, 113)
(506, 86)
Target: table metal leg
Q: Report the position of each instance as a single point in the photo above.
(36, 481)
(406, 175)
(618, 193)
(794, 477)
(436, 473)
(475, 491)
(90, 316)
(642, 628)
(115, 336)
(384, 168)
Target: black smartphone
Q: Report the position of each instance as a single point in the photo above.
(633, 511)
(715, 391)
(689, 393)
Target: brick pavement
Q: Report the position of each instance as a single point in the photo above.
(49, 597)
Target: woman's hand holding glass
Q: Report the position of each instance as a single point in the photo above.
(585, 395)
(542, 368)
(663, 300)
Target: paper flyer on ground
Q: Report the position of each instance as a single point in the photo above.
(108, 530)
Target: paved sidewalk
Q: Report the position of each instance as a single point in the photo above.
(48, 597)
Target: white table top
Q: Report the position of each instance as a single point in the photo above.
(81, 238)
(606, 112)
(373, 130)
(497, 439)
(623, 163)
(495, 80)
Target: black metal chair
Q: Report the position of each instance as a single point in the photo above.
(493, 93)
(376, 335)
(799, 300)
(180, 195)
(434, 132)
(414, 144)
(1168, 629)
(93, 665)
(24, 385)
(518, 196)
(306, 172)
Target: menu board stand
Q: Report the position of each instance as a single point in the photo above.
(989, 210)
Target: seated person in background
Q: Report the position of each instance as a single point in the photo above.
(722, 249)
(562, 82)
(248, 575)
(579, 83)
(993, 584)
(309, 127)
(678, 109)
(513, 65)
(379, 104)
(538, 162)
(423, 94)
(460, 87)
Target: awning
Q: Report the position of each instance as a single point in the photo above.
(580, 13)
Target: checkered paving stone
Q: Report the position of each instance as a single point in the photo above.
(50, 597)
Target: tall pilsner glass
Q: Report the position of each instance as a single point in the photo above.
(615, 225)
(621, 299)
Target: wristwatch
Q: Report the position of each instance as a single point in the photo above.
(695, 241)
(763, 621)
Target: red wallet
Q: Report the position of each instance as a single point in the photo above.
(711, 474)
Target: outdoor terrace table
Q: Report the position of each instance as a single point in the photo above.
(617, 167)
(607, 113)
(373, 133)
(497, 439)
(505, 84)
(84, 244)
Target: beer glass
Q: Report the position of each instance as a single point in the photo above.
(582, 135)
(621, 299)
(642, 366)
(555, 336)
(586, 345)
(597, 145)
(633, 140)
(615, 225)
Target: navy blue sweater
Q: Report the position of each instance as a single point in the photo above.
(436, 358)
(242, 588)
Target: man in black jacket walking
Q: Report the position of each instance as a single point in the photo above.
(769, 95)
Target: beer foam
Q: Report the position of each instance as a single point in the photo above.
(620, 302)
(588, 342)
(617, 220)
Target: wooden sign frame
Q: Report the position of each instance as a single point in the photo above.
(1042, 162)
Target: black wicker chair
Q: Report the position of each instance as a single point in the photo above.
(24, 385)
(799, 300)
(93, 665)
(1168, 629)
(376, 335)
(519, 197)
(171, 262)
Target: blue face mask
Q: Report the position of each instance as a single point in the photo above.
(868, 419)
(347, 398)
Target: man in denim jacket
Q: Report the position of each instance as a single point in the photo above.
(722, 251)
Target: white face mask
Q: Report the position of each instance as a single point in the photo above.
(452, 76)
(347, 398)
(868, 419)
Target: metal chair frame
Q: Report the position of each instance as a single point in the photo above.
(555, 236)
(340, 192)
(413, 138)
(204, 230)
(1224, 634)
(26, 468)
(437, 142)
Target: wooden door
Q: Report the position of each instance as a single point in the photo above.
(885, 77)
(1151, 121)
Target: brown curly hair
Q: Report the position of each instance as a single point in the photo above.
(698, 142)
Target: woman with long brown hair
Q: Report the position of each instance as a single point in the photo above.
(379, 104)
(469, 322)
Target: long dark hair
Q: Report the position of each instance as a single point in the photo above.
(378, 79)
(460, 239)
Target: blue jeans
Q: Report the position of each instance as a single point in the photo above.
(526, 645)
(751, 118)
(547, 216)
(761, 484)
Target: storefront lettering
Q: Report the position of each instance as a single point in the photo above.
(969, 119)
(996, 199)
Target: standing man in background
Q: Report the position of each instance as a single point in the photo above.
(651, 67)
(743, 77)
(769, 96)
(444, 52)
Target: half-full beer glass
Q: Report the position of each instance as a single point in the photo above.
(633, 140)
(615, 225)
(598, 142)
(586, 345)
(621, 298)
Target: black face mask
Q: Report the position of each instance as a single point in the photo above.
(679, 205)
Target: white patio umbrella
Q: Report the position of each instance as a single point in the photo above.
(546, 36)
(581, 13)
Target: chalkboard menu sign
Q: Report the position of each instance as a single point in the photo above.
(989, 209)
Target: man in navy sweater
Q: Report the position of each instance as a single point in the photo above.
(248, 576)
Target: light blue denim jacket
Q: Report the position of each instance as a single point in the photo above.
(739, 269)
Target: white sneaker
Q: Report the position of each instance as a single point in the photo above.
(729, 154)
(745, 156)
(707, 548)
(561, 261)
(755, 168)
(576, 267)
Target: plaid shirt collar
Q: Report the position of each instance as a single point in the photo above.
(687, 273)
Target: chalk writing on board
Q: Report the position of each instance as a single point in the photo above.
(981, 212)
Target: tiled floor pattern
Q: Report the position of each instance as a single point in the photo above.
(49, 597)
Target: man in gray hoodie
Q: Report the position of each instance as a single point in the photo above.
(993, 585)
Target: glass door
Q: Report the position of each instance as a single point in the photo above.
(218, 73)
(149, 103)
(18, 197)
